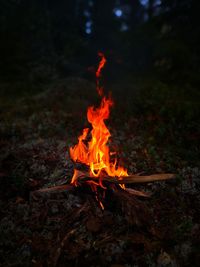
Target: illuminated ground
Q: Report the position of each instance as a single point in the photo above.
(36, 132)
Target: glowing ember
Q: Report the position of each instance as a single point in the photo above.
(95, 153)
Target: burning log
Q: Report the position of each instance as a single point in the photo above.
(81, 176)
(84, 177)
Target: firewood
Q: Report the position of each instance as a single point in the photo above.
(137, 193)
(82, 177)
(50, 191)
(131, 179)
(59, 188)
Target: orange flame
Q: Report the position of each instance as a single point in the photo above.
(101, 65)
(96, 153)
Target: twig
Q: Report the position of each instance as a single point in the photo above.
(131, 179)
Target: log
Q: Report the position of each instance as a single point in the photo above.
(82, 177)
(131, 179)
(140, 179)
(58, 188)
(46, 192)
(137, 193)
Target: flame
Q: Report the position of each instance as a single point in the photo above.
(101, 65)
(96, 153)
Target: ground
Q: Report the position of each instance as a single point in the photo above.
(152, 134)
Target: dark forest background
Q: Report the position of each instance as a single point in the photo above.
(152, 48)
(41, 40)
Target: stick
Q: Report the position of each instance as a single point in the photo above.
(131, 179)
(140, 179)
(58, 188)
(137, 193)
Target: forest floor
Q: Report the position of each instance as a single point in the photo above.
(69, 229)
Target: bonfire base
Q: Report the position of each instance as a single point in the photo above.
(77, 224)
(82, 179)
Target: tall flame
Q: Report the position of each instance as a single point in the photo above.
(101, 65)
(96, 153)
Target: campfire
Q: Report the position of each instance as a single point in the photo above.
(99, 183)
(96, 167)
(94, 163)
